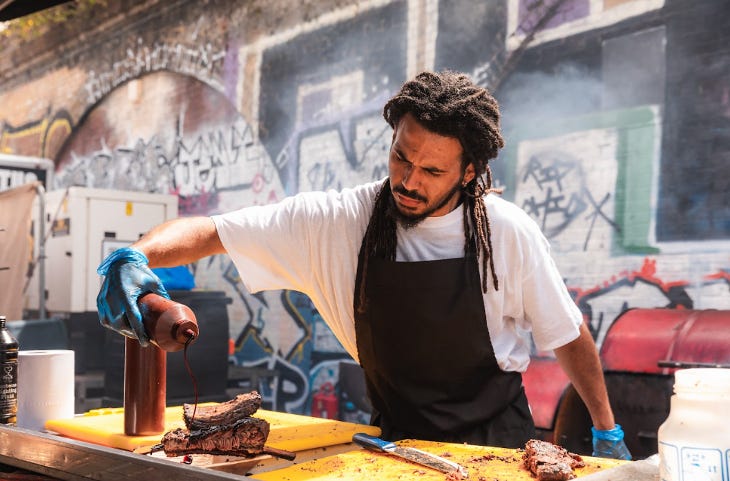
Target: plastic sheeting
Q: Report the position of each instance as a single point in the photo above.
(15, 247)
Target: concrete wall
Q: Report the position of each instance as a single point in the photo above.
(616, 116)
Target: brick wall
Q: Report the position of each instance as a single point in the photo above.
(615, 114)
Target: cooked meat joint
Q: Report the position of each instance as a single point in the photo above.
(244, 437)
(548, 462)
(226, 428)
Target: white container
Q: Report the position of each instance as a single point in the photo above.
(694, 441)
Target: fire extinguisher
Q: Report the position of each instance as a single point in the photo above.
(324, 402)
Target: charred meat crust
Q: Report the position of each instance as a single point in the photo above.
(221, 414)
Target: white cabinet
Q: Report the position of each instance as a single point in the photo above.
(82, 226)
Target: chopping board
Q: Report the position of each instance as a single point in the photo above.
(291, 432)
(483, 463)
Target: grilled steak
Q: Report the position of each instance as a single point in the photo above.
(221, 414)
(245, 437)
(548, 462)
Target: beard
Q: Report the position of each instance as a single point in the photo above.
(408, 221)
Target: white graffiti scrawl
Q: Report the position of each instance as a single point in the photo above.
(220, 160)
(202, 61)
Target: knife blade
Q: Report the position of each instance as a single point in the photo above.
(411, 454)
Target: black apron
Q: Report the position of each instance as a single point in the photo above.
(427, 357)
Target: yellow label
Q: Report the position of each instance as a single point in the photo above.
(128, 209)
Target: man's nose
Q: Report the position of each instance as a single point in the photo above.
(411, 179)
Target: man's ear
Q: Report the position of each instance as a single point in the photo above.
(469, 173)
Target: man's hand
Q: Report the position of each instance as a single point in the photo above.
(126, 278)
(610, 443)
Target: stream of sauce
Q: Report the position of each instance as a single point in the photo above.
(191, 338)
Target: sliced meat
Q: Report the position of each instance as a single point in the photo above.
(548, 462)
(221, 414)
(244, 437)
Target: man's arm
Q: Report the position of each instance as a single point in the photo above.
(127, 274)
(579, 359)
(180, 241)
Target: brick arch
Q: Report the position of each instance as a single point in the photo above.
(170, 133)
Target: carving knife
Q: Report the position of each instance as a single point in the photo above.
(411, 454)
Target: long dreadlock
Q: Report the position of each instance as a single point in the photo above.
(449, 104)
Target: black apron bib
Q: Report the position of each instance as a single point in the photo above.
(427, 357)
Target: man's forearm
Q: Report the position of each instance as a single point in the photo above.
(579, 359)
(180, 241)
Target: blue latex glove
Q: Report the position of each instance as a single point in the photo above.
(126, 278)
(610, 443)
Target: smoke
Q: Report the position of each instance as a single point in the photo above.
(570, 90)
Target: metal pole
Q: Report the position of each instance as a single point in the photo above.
(41, 251)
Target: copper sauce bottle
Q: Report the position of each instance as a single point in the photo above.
(169, 325)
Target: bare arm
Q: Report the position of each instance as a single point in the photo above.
(180, 241)
(579, 359)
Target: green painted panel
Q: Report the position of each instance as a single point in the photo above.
(637, 153)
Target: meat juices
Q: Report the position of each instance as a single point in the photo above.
(548, 462)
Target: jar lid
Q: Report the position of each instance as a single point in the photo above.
(702, 381)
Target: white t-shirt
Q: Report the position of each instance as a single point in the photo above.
(310, 243)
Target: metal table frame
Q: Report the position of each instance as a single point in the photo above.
(72, 460)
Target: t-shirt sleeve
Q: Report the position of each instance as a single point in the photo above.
(551, 312)
(259, 240)
(301, 243)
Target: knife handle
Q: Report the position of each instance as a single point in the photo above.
(372, 443)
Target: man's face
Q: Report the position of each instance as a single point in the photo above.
(425, 172)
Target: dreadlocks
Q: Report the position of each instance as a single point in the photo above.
(451, 105)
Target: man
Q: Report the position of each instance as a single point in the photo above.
(426, 277)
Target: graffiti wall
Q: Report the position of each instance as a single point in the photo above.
(616, 132)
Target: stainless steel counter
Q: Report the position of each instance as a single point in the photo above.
(72, 460)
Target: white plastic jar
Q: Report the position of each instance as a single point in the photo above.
(694, 441)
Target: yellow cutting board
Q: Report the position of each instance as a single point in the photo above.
(292, 432)
(483, 463)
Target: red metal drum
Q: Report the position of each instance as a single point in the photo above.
(657, 341)
(641, 351)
